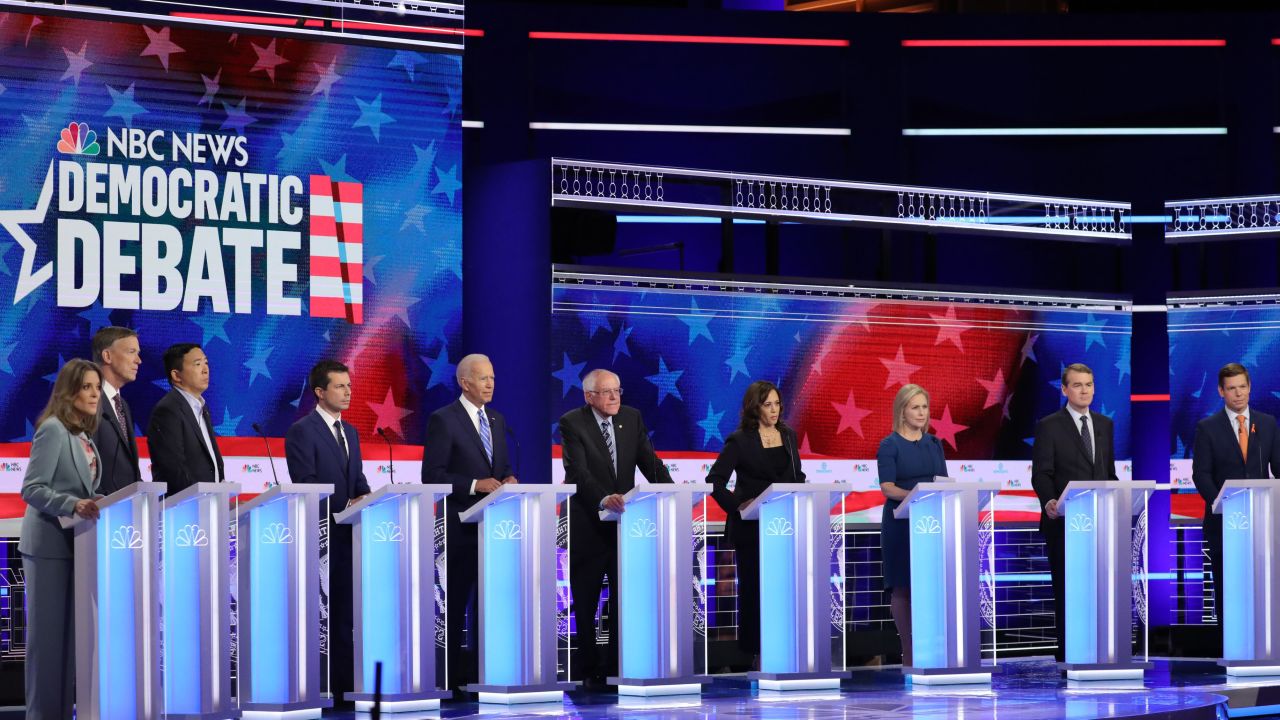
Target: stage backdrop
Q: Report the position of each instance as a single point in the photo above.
(280, 200)
(686, 352)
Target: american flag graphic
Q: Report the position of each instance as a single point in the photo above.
(337, 243)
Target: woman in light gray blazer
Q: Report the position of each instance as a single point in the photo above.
(61, 481)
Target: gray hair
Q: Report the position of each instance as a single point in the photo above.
(904, 398)
(590, 379)
(464, 365)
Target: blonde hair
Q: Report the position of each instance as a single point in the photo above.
(902, 399)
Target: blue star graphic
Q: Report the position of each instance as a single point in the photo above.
(442, 371)
(213, 326)
(408, 60)
(4, 264)
(337, 170)
(1094, 332)
(697, 322)
(229, 425)
(738, 363)
(51, 377)
(620, 345)
(447, 183)
(1181, 452)
(424, 159)
(1103, 411)
(28, 432)
(258, 364)
(595, 320)
(98, 317)
(301, 395)
(5, 351)
(1203, 377)
(569, 375)
(665, 381)
(1056, 383)
(123, 105)
(372, 117)
(455, 100)
(237, 118)
(1122, 359)
(711, 425)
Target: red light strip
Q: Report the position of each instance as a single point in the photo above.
(691, 39)
(1149, 398)
(337, 24)
(1206, 42)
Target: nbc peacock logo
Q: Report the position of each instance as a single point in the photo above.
(77, 139)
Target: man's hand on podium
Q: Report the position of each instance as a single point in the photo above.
(355, 500)
(510, 480)
(1051, 509)
(614, 503)
(487, 485)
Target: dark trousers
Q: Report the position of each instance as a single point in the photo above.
(746, 542)
(460, 595)
(593, 555)
(341, 621)
(1054, 532)
(51, 640)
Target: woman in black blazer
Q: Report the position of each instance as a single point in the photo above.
(762, 451)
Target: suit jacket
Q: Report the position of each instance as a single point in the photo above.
(454, 454)
(1058, 456)
(119, 448)
(313, 456)
(588, 467)
(57, 477)
(1216, 455)
(178, 454)
(743, 453)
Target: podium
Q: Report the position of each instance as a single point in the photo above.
(279, 602)
(1099, 584)
(117, 580)
(1250, 614)
(197, 602)
(655, 590)
(517, 593)
(945, 625)
(795, 595)
(393, 574)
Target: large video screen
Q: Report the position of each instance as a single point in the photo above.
(686, 351)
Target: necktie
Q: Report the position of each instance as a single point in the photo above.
(608, 443)
(1243, 434)
(486, 435)
(342, 443)
(1086, 436)
(213, 443)
(119, 405)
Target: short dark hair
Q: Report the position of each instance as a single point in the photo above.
(1075, 367)
(174, 356)
(1232, 369)
(320, 373)
(106, 337)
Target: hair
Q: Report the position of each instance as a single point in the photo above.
(106, 337)
(1075, 367)
(174, 356)
(62, 400)
(319, 377)
(1232, 369)
(590, 379)
(464, 365)
(900, 401)
(755, 396)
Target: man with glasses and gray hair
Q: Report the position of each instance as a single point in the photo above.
(604, 443)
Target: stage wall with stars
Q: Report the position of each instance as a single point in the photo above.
(686, 356)
(330, 225)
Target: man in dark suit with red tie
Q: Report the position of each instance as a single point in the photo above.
(1071, 444)
(466, 447)
(604, 443)
(117, 352)
(1235, 443)
(323, 448)
(184, 446)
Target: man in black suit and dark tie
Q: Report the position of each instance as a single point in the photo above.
(604, 443)
(1236, 443)
(323, 448)
(184, 447)
(117, 352)
(466, 447)
(1071, 444)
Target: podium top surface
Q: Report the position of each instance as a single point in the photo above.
(125, 493)
(275, 493)
(780, 490)
(391, 490)
(645, 490)
(941, 485)
(1231, 487)
(204, 488)
(476, 512)
(1080, 487)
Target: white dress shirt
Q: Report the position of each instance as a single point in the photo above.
(1093, 431)
(197, 407)
(475, 423)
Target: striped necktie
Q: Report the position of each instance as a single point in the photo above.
(486, 435)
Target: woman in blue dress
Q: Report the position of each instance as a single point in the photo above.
(909, 456)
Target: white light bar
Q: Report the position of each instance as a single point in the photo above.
(659, 690)
(1060, 131)
(522, 698)
(957, 679)
(473, 124)
(1127, 674)
(802, 684)
(713, 129)
(399, 706)
(1253, 670)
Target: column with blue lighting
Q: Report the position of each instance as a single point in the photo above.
(1251, 578)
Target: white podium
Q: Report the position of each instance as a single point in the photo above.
(1250, 613)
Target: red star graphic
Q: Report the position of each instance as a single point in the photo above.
(899, 370)
(804, 446)
(389, 414)
(850, 415)
(267, 60)
(945, 429)
(995, 389)
(949, 328)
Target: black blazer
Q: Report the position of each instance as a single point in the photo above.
(454, 455)
(1216, 455)
(313, 456)
(178, 454)
(119, 452)
(743, 454)
(1058, 456)
(588, 467)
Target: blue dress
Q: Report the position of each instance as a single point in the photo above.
(905, 463)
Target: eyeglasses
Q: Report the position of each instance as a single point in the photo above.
(610, 392)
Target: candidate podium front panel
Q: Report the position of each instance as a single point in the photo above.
(1251, 579)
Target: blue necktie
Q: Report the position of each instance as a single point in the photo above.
(486, 435)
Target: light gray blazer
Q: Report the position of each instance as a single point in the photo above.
(57, 477)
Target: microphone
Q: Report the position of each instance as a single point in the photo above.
(391, 461)
(272, 461)
(506, 426)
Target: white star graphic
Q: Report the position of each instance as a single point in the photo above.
(12, 221)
